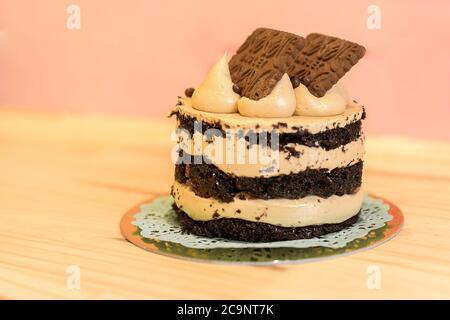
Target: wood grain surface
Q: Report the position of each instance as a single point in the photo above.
(66, 180)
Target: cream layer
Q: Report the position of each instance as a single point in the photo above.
(310, 210)
(234, 121)
(261, 161)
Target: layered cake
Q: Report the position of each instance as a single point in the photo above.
(270, 145)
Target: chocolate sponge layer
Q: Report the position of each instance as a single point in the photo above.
(242, 230)
(329, 139)
(206, 180)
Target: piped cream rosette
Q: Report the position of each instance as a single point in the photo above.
(216, 95)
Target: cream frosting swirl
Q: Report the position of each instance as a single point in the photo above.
(216, 93)
(279, 103)
(332, 103)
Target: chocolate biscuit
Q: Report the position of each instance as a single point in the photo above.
(262, 60)
(323, 61)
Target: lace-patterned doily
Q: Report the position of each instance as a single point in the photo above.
(157, 221)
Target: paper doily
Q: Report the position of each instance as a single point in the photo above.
(157, 220)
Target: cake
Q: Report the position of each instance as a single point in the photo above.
(269, 145)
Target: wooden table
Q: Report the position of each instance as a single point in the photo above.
(66, 180)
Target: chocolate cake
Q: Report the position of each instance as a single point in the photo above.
(270, 146)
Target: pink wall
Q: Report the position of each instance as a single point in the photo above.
(134, 57)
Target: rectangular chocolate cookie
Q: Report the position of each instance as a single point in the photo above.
(262, 60)
(323, 61)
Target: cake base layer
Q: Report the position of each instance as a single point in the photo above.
(248, 231)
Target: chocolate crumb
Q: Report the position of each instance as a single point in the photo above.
(280, 125)
(291, 152)
(216, 215)
(236, 89)
(306, 80)
(295, 82)
(364, 113)
(241, 196)
(173, 112)
(189, 92)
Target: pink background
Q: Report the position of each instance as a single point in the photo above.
(135, 57)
